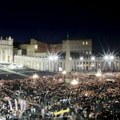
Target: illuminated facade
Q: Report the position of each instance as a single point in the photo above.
(6, 50)
(36, 48)
(82, 47)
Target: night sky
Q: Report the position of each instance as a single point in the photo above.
(50, 22)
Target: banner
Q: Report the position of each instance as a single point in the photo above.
(61, 111)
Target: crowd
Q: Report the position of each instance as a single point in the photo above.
(55, 98)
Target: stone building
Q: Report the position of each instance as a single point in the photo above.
(6, 50)
(37, 48)
(83, 47)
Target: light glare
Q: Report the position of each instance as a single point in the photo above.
(64, 72)
(60, 69)
(74, 82)
(81, 58)
(92, 58)
(53, 57)
(111, 57)
(35, 76)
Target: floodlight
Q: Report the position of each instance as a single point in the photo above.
(106, 57)
(111, 57)
(60, 69)
(70, 58)
(92, 58)
(81, 58)
(55, 57)
(50, 57)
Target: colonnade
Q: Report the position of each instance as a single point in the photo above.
(44, 64)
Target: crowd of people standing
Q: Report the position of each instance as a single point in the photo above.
(46, 97)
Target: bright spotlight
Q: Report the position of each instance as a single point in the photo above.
(92, 58)
(74, 82)
(106, 57)
(86, 94)
(81, 58)
(50, 58)
(60, 69)
(53, 57)
(35, 76)
(111, 57)
(64, 72)
(70, 58)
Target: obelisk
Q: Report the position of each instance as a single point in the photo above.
(68, 65)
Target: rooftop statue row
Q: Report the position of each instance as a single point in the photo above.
(7, 38)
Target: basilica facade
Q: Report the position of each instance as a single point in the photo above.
(6, 50)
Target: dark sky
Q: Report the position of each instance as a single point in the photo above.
(50, 21)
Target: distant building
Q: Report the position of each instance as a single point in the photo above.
(6, 50)
(34, 48)
(82, 47)
(37, 48)
(55, 48)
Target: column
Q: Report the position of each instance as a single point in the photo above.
(6, 55)
(73, 64)
(85, 65)
(1, 56)
(62, 65)
(76, 66)
(68, 66)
